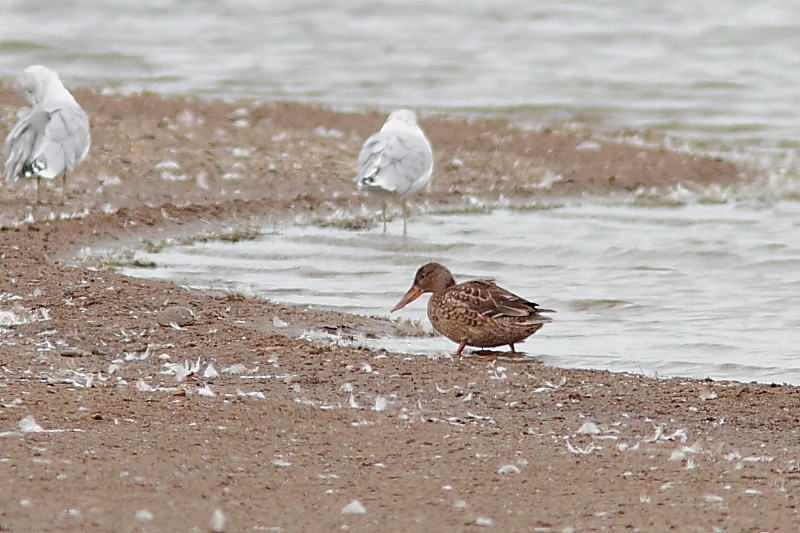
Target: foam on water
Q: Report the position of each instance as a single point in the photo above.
(697, 290)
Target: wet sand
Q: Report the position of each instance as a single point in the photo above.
(295, 431)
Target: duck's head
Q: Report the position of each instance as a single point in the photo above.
(431, 277)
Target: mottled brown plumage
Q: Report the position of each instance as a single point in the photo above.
(474, 313)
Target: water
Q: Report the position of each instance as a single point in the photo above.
(698, 290)
(720, 70)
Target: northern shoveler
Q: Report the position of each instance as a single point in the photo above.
(474, 313)
(397, 160)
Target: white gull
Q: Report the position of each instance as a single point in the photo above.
(397, 160)
(51, 137)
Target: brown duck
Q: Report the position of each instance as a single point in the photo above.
(475, 313)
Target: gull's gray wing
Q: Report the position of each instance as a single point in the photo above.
(48, 141)
(397, 161)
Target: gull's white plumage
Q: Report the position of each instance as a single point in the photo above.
(52, 136)
(396, 160)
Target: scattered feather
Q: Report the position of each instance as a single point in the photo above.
(445, 391)
(677, 455)
(254, 394)
(380, 404)
(206, 392)
(580, 451)
(659, 430)
(352, 404)
(210, 372)
(498, 372)
(217, 521)
(354, 508)
(238, 368)
(141, 386)
(479, 417)
(708, 395)
(508, 469)
(588, 146)
(550, 387)
(589, 428)
(679, 435)
(29, 425)
(758, 459)
(181, 372)
(624, 446)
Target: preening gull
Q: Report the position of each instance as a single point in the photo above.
(51, 137)
(397, 160)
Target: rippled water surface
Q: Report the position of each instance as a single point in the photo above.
(699, 290)
(720, 69)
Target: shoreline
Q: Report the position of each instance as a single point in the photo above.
(318, 425)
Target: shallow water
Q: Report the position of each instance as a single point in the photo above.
(724, 70)
(698, 290)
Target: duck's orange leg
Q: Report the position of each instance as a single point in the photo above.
(460, 348)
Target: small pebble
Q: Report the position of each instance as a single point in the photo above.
(73, 352)
(484, 521)
(177, 315)
(144, 516)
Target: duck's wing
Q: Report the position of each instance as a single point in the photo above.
(47, 141)
(397, 161)
(484, 296)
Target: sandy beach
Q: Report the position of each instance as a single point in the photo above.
(290, 432)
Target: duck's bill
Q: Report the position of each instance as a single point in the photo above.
(413, 293)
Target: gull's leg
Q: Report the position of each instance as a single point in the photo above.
(63, 187)
(405, 215)
(38, 179)
(384, 217)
